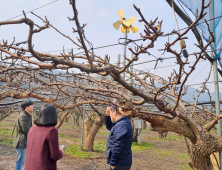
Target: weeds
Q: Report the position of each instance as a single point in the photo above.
(6, 142)
(177, 138)
(103, 133)
(5, 132)
(136, 147)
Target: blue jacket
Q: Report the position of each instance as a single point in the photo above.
(119, 142)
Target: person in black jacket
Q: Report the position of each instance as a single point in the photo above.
(119, 141)
(23, 124)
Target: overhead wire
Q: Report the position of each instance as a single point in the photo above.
(149, 60)
(119, 43)
(173, 32)
(199, 73)
(33, 10)
(202, 83)
(122, 38)
(174, 57)
(168, 66)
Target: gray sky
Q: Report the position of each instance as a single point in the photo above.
(99, 16)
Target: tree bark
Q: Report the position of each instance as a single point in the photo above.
(87, 126)
(161, 135)
(201, 151)
(62, 119)
(201, 162)
(135, 132)
(89, 141)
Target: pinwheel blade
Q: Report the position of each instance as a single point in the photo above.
(121, 14)
(117, 24)
(134, 29)
(123, 29)
(132, 20)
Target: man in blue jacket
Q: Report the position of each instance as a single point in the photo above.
(119, 142)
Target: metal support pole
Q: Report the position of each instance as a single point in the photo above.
(118, 56)
(131, 55)
(124, 53)
(130, 67)
(83, 119)
(139, 135)
(216, 86)
(217, 103)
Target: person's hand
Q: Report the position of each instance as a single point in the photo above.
(108, 111)
(61, 149)
(113, 167)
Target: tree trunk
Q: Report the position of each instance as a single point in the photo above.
(77, 120)
(201, 162)
(62, 119)
(67, 118)
(135, 132)
(201, 151)
(161, 135)
(89, 141)
(87, 126)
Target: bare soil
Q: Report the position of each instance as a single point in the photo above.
(166, 154)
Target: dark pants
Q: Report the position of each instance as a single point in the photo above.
(118, 167)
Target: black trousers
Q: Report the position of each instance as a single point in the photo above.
(118, 167)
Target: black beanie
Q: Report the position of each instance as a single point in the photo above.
(26, 103)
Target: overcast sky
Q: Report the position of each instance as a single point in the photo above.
(99, 16)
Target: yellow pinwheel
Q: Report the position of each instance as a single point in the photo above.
(126, 24)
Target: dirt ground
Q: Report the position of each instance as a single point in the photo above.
(164, 154)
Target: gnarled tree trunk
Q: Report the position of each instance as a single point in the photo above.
(89, 141)
(200, 161)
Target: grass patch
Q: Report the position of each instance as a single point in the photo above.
(5, 124)
(156, 138)
(5, 132)
(103, 133)
(6, 142)
(178, 138)
(67, 127)
(146, 130)
(75, 151)
(183, 156)
(64, 136)
(173, 138)
(162, 152)
(136, 147)
(100, 147)
(184, 167)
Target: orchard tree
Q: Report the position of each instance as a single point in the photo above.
(131, 96)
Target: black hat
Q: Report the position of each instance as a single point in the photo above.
(26, 103)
